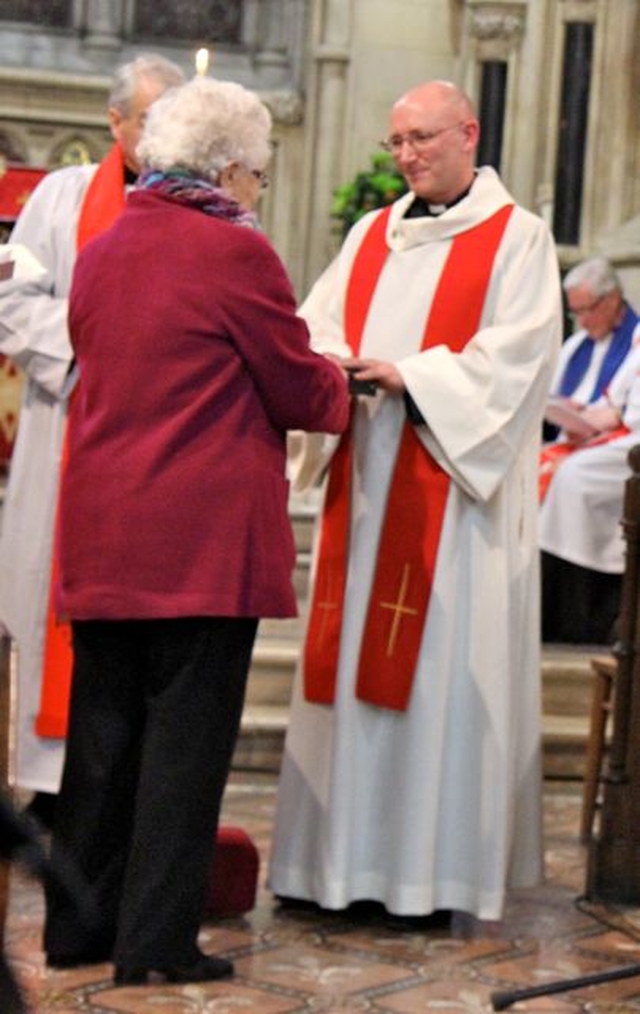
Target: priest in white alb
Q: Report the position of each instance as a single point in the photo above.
(67, 209)
(411, 773)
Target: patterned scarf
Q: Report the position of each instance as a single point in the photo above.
(195, 192)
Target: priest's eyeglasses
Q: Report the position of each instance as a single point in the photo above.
(579, 311)
(418, 140)
(261, 177)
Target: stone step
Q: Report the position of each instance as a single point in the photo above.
(264, 727)
(272, 631)
(566, 673)
(303, 523)
(567, 689)
(566, 681)
(261, 740)
(303, 510)
(271, 675)
(564, 741)
(301, 577)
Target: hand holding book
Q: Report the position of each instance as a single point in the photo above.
(578, 422)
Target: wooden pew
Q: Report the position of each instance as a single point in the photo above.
(613, 870)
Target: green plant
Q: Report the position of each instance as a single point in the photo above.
(369, 189)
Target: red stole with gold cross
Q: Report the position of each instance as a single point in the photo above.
(103, 202)
(417, 498)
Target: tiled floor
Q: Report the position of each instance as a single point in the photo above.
(290, 962)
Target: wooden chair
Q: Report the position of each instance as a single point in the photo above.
(604, 671)
(613, 861)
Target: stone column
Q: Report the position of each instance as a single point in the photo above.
(612, 178)
(272, 49)
(491, 47)
(326, 110)
(577, 62)
(104, 24)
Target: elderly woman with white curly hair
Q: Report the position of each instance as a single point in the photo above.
(174, 533)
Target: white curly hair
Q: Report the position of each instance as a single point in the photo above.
(204, 125)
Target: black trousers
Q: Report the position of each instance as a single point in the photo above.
(155, 712)
(579, 606)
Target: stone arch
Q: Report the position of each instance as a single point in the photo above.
(74, 149)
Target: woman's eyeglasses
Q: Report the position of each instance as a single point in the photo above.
(261, 177)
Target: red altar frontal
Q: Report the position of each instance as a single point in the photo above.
(16, 183)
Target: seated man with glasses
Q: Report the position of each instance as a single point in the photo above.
(582, 481)
(607, 328)
(589, 360)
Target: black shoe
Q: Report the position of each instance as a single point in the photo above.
(205, 969)
(94, 957)
(42, 809)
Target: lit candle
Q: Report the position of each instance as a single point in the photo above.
(202, 62)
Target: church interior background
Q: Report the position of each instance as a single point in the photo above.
(556, 83)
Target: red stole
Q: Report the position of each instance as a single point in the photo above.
(416, 502)
(552, 455)
(103, 202)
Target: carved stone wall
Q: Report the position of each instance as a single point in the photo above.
(531, 36)
(330, 71)
(54, 80)
(362, 55)
(257, 41)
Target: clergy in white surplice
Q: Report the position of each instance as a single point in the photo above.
(33, 332)
(581, 514)
(411, 771)
(68, 208)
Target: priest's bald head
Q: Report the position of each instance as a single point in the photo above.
(433, 138)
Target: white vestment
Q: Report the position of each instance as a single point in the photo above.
(33, 333)
(436, 807)
(581, 513)
(582, 393)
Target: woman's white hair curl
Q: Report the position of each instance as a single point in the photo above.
(204, 125)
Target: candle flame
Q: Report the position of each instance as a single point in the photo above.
(202, 61)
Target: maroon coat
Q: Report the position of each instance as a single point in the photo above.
(193, 366)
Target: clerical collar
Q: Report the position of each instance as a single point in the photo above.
(419, 207)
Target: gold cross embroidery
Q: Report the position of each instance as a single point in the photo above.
(399, 608)
(326, 606)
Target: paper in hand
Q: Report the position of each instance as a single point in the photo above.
(560, 412)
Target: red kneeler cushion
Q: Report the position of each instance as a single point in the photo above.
(234, 874)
